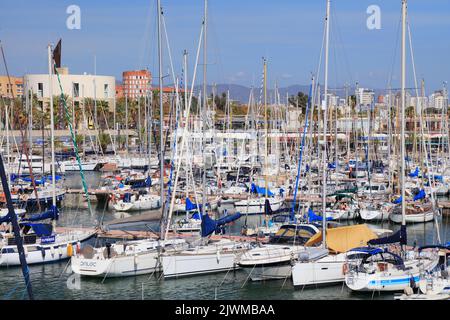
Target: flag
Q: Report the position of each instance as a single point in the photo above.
(57, 55)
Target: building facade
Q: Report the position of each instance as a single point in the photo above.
(136, 83)
(13, 89)
(76, 87)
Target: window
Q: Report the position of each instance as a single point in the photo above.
(76, 90)
(106, 90)
(40, 90)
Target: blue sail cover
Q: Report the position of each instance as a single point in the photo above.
(398, 200)
(192, 206)
(399, 236)
(49, 214)
(209, 225)
(127, 197)
(260, 190)
(415, 173)
(5, 219)
(421, 195)
(196, 216)
(41, 229)
(314, 217)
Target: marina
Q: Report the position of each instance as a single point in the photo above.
(161, 187)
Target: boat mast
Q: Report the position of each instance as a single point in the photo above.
(324, 158)
(403, 71)
(161, 116)
(205, 104)
(266, 151)
(52, 128)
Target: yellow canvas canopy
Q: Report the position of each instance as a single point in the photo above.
(342, 239)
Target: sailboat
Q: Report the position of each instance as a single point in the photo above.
(384, 269)
(42, 243)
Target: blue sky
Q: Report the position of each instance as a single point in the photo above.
(122, 35)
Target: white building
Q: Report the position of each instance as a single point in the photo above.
(365, 97)
(437, 100)
(77, 87)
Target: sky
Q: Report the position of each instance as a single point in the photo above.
(122, 35)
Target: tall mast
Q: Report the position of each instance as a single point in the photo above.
(266, 149)
(161, 116)
(324, 158)
(205, 103)
(52, 126)
(403, 71)
(126, 121)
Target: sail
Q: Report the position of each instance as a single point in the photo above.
(209, 225)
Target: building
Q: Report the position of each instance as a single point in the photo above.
(5, 87)
(136, 83)
(438, 100)
(119, 91)
(77, 87)
(365, 97)
(419, 103)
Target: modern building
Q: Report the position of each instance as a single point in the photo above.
(438, 100)
(365, 96)
(77, 87)
(136, 83)
(119, 91)
(11, 87)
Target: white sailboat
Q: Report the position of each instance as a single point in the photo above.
(41, 243)
(384, 270)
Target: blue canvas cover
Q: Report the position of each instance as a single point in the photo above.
(398, 200)
(41, 229)
(49, 214)
(209, 225)
(260, 190)
(192, 206)
(314, 217)
(421, 195)
(400, 236)
(415, 173)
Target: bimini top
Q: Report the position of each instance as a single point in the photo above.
(436, 246)
(386, 256)
(368, 250)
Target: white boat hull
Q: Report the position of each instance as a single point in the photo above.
(326, 270)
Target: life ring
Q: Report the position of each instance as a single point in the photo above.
(69, 250)
(344, 268)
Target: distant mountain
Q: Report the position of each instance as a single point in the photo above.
(242, 93)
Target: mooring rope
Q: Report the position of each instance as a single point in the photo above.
(74, 140)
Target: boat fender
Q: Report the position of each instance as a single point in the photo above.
(69, 250)
(218, 256)
(52, 251)
(43, 253)
(60, 251)
(344, 268)
(78, 249)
